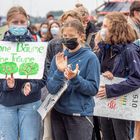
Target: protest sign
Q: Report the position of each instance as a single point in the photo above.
(22, 60)
(124, 107)
(50, 101)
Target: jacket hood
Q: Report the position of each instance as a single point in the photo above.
(117, 48)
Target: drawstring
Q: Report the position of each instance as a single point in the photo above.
(90, 121)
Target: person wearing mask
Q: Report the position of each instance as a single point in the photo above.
(134, 18)
(43, 32)
(71, 117)
(55, 45)
(117, 56)
(53, 30)
(34, 33)
(19, 99)
(90, 28)
(137, 123)
(33, 30)
(53, 33)
(50, 18)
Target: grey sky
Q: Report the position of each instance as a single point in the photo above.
(41, 7)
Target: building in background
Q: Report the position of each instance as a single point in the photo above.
(112, 6)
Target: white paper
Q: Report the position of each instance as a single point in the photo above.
(50, 101)
(124, 107)
(23, 60)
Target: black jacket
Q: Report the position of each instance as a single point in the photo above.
(90, 30)
(54, 46)
(15, 96)
(126, 65)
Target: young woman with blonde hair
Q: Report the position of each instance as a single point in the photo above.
(19, 99)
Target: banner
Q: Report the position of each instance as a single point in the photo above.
(124, 107)
(50, 101)
(22, 60)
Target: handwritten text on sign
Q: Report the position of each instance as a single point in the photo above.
(22, 60)
(124, 107)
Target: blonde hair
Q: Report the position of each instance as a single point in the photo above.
(82, 11)
(14, 11)
(70, 13)
(119, 31)
(77, 5)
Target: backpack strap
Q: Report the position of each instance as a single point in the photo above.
(90, 37)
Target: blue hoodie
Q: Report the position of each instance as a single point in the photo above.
(77, 99)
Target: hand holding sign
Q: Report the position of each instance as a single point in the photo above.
(23, 60)
(10, 82)
(27, 89)
(102, 92)
(108, 75)
(124, 107)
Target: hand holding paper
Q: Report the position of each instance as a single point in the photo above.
(102, 92)
(10, 82)
(27, 89)
(108, 75)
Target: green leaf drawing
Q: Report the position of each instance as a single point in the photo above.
(8, 68)
(28, 69)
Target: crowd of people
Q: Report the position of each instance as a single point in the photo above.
(78, 52)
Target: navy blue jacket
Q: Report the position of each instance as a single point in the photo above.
(78, 98)
(126, 65)
(15, 96)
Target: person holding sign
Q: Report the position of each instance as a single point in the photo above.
(72, 116)
(19, 99)
(119, 57)
(137, 123)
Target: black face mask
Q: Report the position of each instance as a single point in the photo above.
(70, 43)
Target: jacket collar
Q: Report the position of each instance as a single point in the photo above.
(117, 48)
(10, 37)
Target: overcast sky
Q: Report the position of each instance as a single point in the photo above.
(41, 7)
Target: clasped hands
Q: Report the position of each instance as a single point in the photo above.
(62, 65)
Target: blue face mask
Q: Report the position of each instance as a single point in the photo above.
(18, 30)
(44, 30)
(54, 31)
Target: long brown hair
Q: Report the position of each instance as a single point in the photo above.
(119, 31)
(49, 35)
(16, 10)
